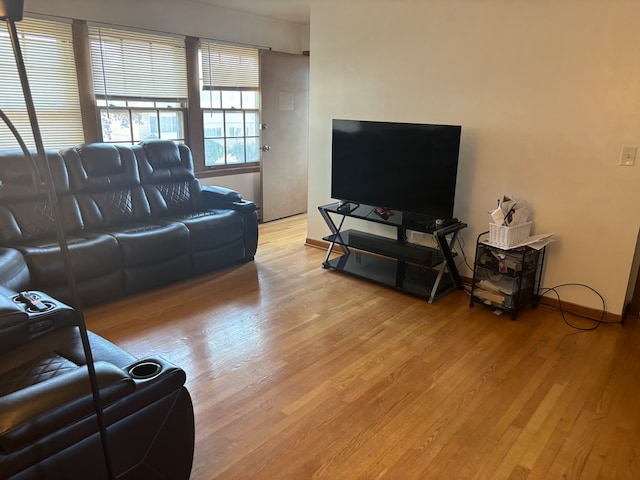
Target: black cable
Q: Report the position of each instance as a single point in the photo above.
(598, 321)
(461, 243)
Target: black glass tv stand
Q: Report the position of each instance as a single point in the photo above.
(428, 272)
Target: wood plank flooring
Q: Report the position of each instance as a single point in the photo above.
(298, 373)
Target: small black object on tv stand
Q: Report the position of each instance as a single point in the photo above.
(347, 206)
(419, 270)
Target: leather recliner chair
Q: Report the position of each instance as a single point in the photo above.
(222, 226)
(48, 426)
(106, 183)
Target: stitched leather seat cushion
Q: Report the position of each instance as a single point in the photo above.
(36, 370)
(150, 242)
(42, 407)
(213, 228)
(92, 255)
(44, 384)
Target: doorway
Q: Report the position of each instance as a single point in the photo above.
(284, 80)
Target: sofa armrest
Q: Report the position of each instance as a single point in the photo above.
(21, 324)
(10, 312)
(220, 197)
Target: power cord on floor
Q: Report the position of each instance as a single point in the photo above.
(461, 243)
(598, 321)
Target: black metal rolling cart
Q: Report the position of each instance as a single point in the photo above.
(506, 278)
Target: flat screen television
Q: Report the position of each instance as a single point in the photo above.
(407, 167)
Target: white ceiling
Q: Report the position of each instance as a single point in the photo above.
(289, 10)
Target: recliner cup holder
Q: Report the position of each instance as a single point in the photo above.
(145, 370)
(46, 303)
(37, 297)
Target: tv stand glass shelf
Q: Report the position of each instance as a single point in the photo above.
(428, 272)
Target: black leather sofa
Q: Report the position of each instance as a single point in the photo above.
(48, 425)
(135, 217)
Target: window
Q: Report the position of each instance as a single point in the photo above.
(140, 83)
(230, 102)
(47, 49)
(130, 122)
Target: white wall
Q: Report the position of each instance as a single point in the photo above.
(248, 184)
(188, 18)
(546, 91)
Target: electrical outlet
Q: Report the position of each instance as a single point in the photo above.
(628, 156)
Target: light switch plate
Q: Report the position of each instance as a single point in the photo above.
(628, 156)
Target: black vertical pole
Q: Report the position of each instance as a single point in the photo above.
(9, 12)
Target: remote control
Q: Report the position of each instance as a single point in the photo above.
(32, 301)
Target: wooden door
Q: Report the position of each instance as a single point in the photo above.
(634, 306)
(284, 82)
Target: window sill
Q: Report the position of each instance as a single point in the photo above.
(226, 171)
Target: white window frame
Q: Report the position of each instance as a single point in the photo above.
(227, 68)
(138, 71)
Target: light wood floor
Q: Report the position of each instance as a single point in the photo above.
(298, 372)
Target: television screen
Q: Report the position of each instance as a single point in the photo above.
(397, 166)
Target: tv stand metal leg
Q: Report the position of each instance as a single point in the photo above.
(445, 248)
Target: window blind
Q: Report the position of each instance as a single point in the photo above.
(228, 66)
(47, 49)
(137, 65)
